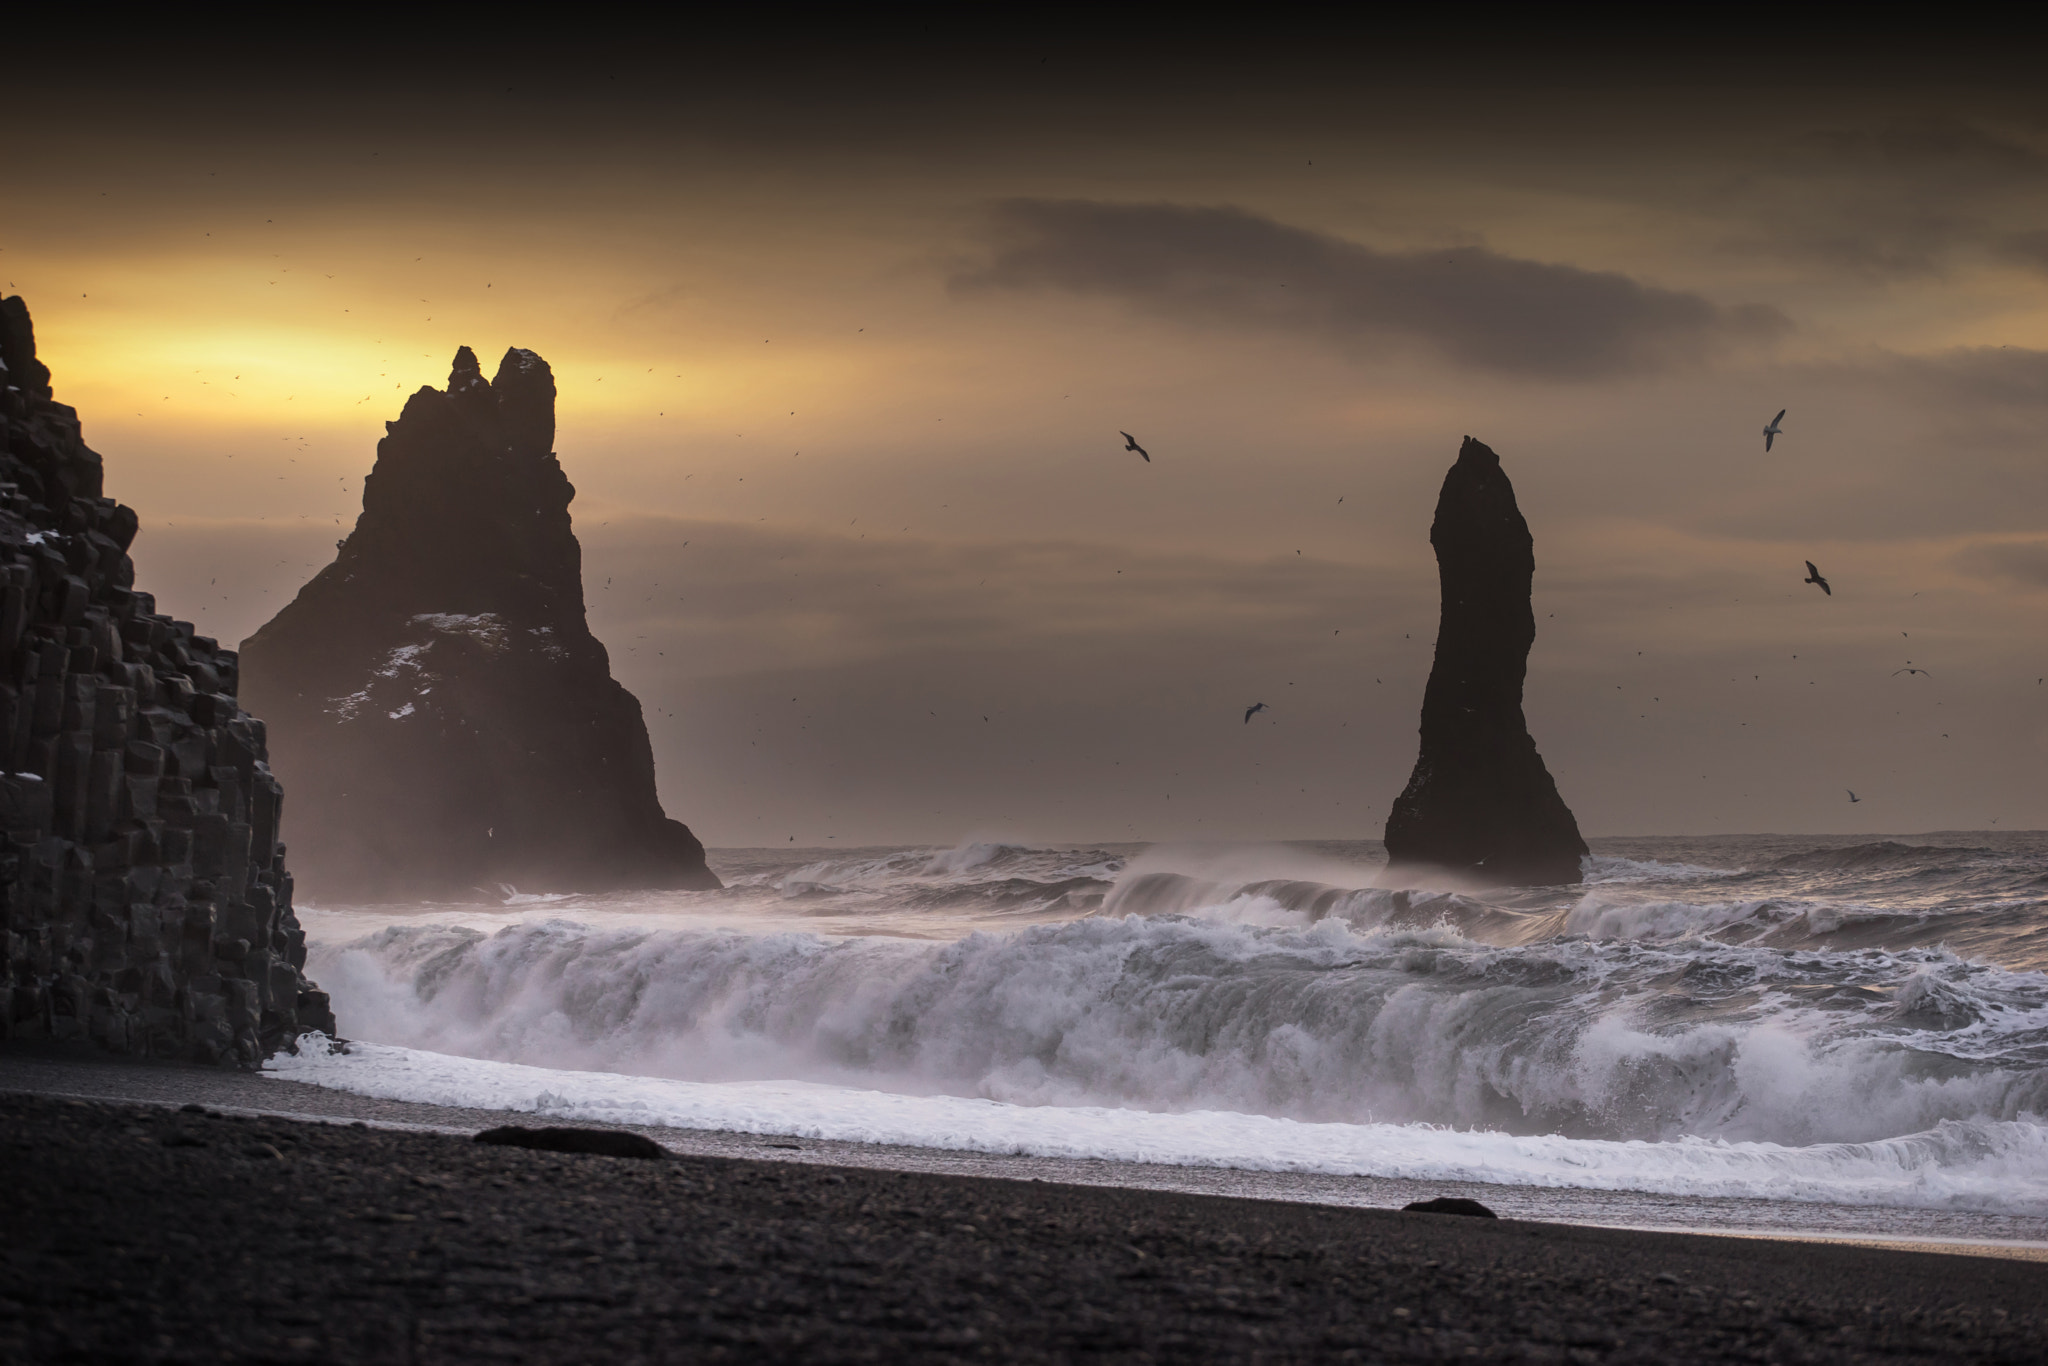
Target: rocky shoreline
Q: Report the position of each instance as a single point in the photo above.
(155, 1234)
(145, 904)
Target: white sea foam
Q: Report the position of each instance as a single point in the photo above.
(1982, 1165)
(1322, 1022)
(1671, 1027)
(1605, 917)
(1609, 869)
(967, 858)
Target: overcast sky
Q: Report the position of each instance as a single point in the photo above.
(845, 340)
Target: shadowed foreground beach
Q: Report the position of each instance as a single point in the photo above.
(150, 1234)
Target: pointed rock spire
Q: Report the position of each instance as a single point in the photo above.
(465, 375)
(446, 721)
(1480, 803)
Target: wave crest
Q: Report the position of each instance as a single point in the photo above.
(1583, 1038)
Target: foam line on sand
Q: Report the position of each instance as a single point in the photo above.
(238, 1092)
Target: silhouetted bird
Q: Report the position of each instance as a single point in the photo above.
(1252, 711)
(1897, 672)
(1773, 431)
(1813, 576)
(1852, 794)
(1131, 444)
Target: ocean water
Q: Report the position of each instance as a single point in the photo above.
(1835, 1022)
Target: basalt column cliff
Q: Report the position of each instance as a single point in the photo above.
(1480, 802)
(445, 720)
(144, 902)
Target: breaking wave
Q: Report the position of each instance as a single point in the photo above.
(1786, 1024)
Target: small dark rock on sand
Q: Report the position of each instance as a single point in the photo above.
(380, 1245)
(1450, 1204)
(603, 1142)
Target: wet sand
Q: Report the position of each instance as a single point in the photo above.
(142, 1232)
(95, 1077)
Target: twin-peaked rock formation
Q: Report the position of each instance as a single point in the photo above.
(437, 705)
(1480, 803)
(143, 894)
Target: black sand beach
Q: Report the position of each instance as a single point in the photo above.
(150, 1234)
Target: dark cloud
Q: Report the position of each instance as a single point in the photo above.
(1946, 150)
(1952, 151)
(1895, 200)
(1886, 241)
(2026, 248)
(2021, 562)
(1226, 266)
(1966, 381)
(1946, 444)
(739, 597)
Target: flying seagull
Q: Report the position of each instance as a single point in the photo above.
(1131, 444)
(1897, 672)
(1852, 794)
(1253, 710)
(1813, 576)
(1773, 430)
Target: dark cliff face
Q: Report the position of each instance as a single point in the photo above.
(1480, 801)
(446, 721)
(143, 892)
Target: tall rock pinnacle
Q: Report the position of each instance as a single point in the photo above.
(1480, 802)
(437, 704)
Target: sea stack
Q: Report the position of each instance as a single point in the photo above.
(144, 900)
(1480, 802)
(446, 722)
